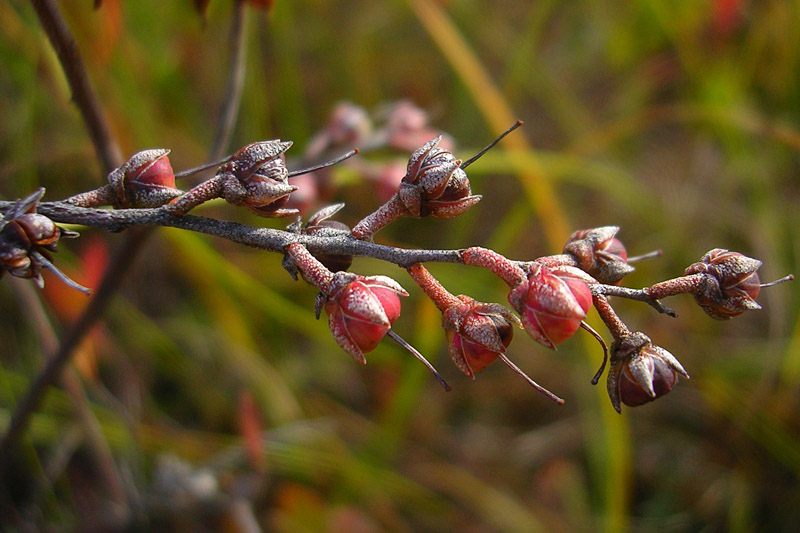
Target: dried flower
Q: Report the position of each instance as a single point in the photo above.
(434, 184)
(640, 371)
(260, 168)
(26, 238)
(729, 284)
(599, 253)
(360, 309)
(255, 177)
(477, 333)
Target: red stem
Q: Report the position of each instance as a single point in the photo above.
(671, 287)
(314, 272)
(499, 265)
(435, 291)
(612, 321)
(384, 215)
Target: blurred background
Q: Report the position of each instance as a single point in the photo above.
(223, 403)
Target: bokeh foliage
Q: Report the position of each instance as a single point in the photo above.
(676, 120)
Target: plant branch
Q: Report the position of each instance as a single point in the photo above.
(67, 50)
(233, 92)
(56, 363)
(264, 238)
(99, 451)
(632, 294)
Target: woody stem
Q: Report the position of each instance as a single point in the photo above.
(103, 195)
(201, 193)
(558, 260)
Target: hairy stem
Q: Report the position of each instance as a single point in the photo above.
(435, 291)
(610, 318)
(313, 271)
(671, 287)
(499, 265)
(385, 214)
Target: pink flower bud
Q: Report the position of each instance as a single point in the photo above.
(349, 124)
(145, 180)
(361, 310)
(599, 253)
(552, 302)
(640, 371)
(477, 333)
(730, 284)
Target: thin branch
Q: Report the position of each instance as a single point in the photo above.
(632, 294)
(233, 92)
(108, 150)
(264, 238)
(67, 50)
(55, 364)
(100, 453)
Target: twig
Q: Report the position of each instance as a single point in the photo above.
(233, 93)
(55, 364)
(64, 44)
(92, 433)
(264, 238)
(110, 155)
(632, 294)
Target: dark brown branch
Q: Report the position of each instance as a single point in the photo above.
(109, 153)
(67, 50)
(99, 451)
(55, 364)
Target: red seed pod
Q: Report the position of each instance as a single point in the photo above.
(640, 371)
(552, 302)
(361, 310)
(145, 180)
(434, 184)
(730, 284)
(599, 253)
(477, 333)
